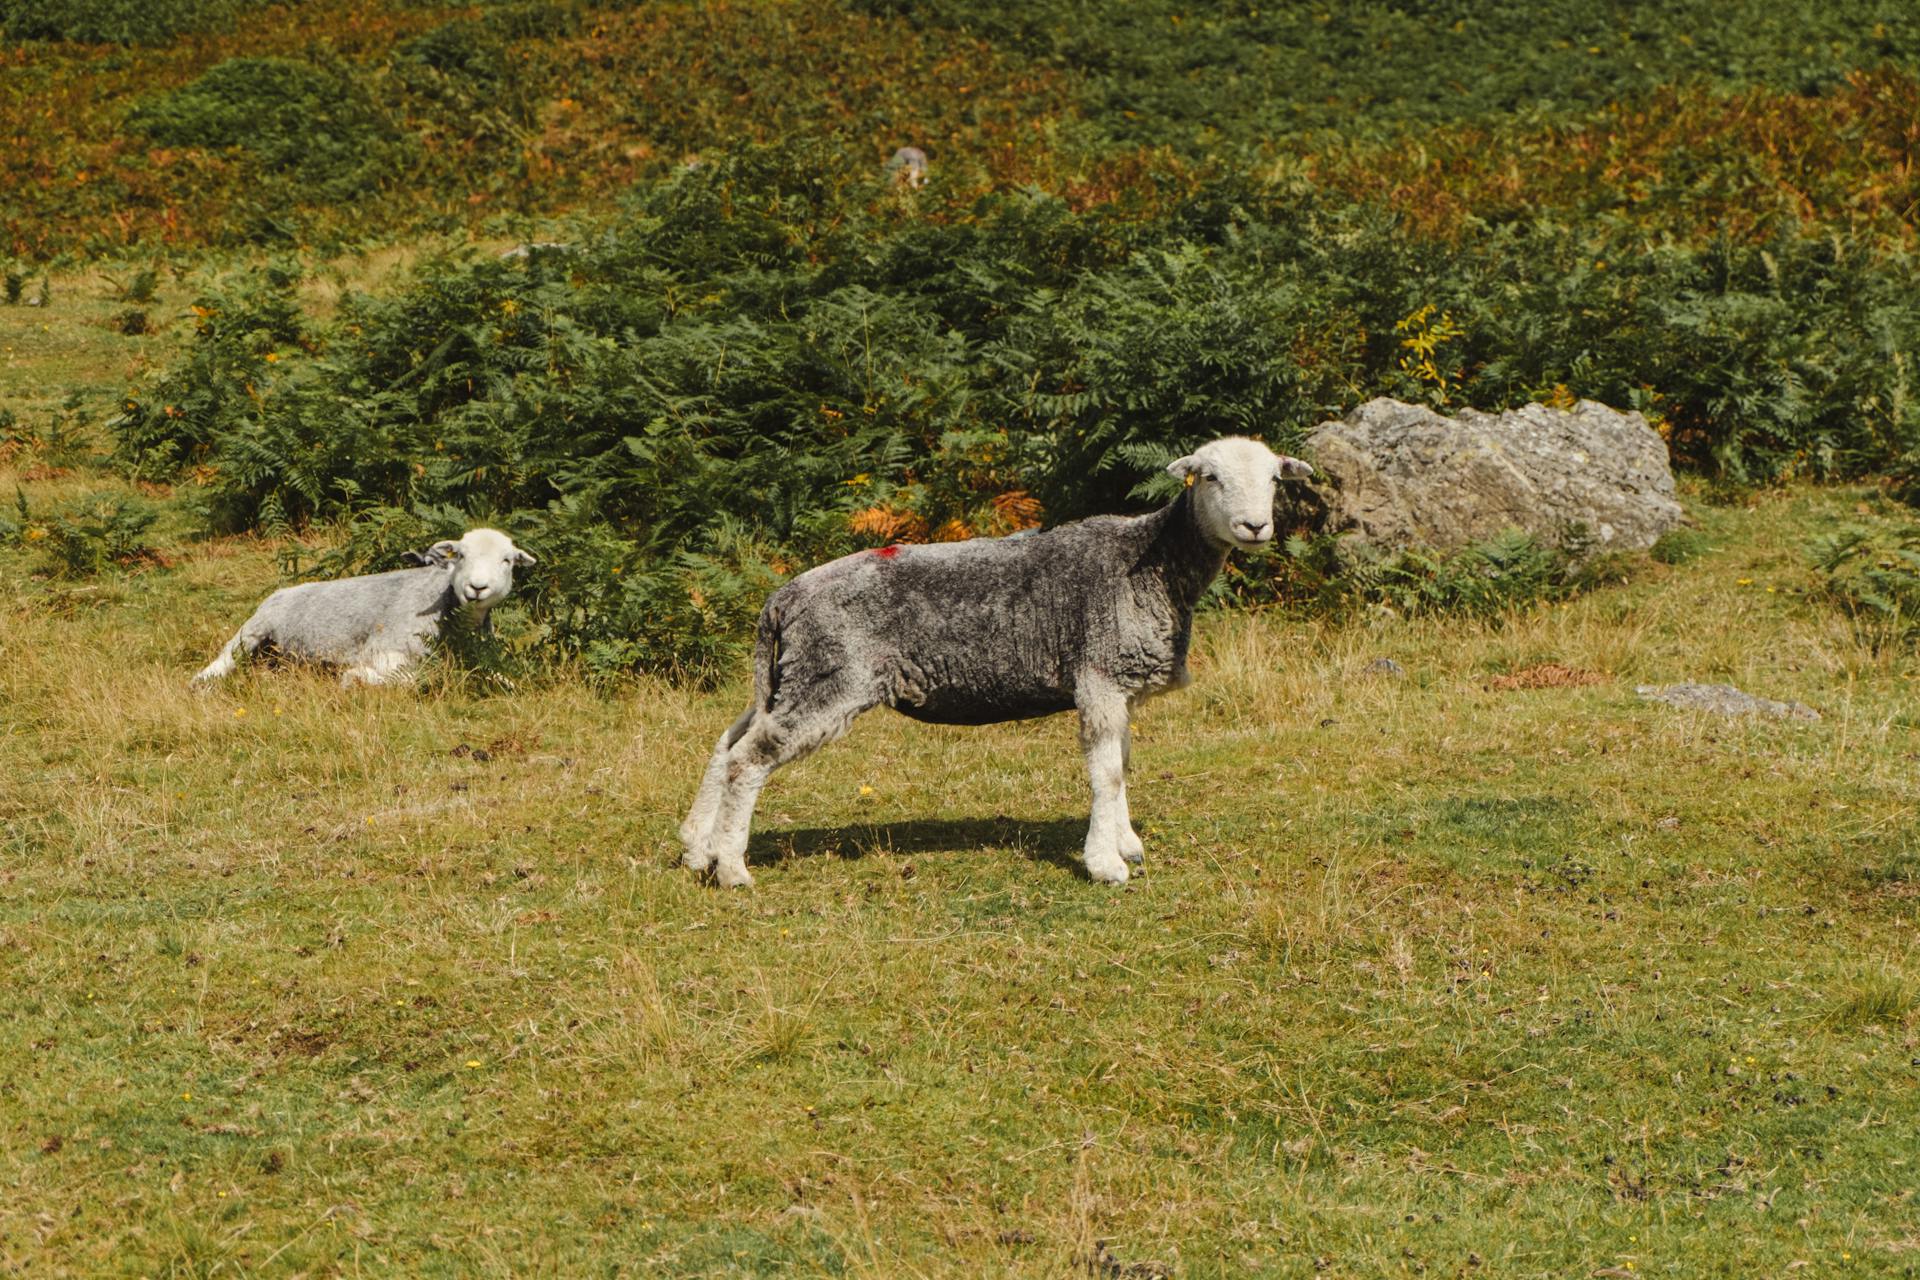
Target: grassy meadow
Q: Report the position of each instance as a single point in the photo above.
(1425, 975)
(1488, 968)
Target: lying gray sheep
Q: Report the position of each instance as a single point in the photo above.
(1092, 616)
(375, 626)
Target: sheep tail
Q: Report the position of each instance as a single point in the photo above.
(222, 664)
(766, 658)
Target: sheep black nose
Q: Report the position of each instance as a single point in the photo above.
(1253, 530)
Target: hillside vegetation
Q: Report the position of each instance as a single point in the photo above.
(755, 352)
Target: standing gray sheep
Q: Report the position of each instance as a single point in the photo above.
(907, 167)
(374, 627)
(1091, 616)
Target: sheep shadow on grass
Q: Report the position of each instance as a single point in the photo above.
(1054, 840)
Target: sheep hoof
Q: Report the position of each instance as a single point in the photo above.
(1134, 857)
(1109, 868)
(696, 859)
(732, 875)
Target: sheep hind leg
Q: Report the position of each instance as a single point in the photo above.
(696, 832)
(1103, 733)
(1132, 848)
(774, 738)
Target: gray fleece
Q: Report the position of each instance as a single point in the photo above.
(992, 629)
(350, 618)
(370, 625)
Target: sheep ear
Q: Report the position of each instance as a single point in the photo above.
(1183, 467)
(442, 553)
(523, 558)
(1291, 468)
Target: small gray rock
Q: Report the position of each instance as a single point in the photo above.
(1398, 475)
(1724, 700)
(1383, 667)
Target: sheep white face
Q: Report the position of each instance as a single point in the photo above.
(1233, 482)
(483, 561)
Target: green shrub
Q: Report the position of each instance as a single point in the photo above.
(464, 49)
(115, 21)
(1679, 546)
(88, 535)
(463, 70)
(214, 397)
(310, 121)
(1903, 477)
(532, 19)
(689, 616)
(1874, 575)
(1183, 335)
(1332, 575)
(140, 288)
(1163, 71)
(764, 363)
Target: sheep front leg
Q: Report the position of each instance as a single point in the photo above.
(1103, 737)
(382, 668)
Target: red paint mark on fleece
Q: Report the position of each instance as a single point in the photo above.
(886, 553)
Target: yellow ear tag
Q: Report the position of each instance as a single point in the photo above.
(1189, 480)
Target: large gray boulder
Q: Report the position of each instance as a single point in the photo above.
(1400, 475)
